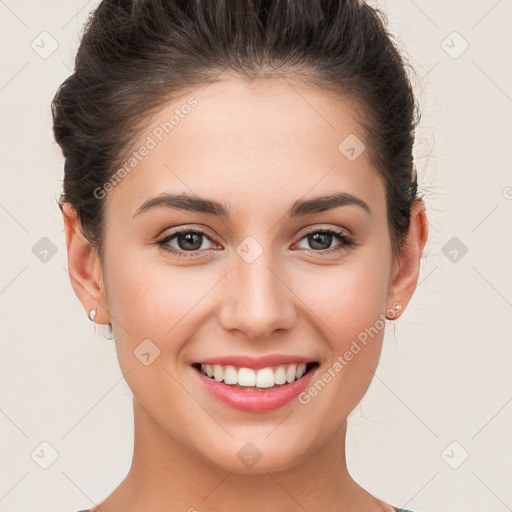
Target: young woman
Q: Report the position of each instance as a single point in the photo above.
(241, 210)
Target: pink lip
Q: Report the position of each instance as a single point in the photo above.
(255, 401)
(256, 363)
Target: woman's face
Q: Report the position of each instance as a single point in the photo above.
(254, 282)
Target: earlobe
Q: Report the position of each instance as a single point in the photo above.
(406, 279)
(84, 267)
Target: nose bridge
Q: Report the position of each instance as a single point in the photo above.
(258, 301)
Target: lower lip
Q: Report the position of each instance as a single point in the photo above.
(255, 401)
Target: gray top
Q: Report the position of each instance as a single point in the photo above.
(397, 510)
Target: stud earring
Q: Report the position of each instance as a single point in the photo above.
(92, 315)
(392, 313)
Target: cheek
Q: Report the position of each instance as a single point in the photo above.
(146, 304)
(350, 303)
(346, 298)
(353, 324)
(156, 302)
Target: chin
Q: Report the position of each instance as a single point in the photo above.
(260, 455)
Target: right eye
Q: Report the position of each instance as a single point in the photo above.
(186, 240)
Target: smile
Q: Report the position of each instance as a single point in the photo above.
(255, 387)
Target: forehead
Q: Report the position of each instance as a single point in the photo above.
(248, 144)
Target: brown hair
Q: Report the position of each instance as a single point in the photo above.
(135, 56)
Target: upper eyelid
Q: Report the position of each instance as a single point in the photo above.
(313, 228)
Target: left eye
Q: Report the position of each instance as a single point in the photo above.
(320, 239)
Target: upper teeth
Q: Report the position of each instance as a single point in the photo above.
(262, 378)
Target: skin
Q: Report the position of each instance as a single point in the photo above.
(257, 148)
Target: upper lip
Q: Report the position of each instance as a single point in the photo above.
(256, 362)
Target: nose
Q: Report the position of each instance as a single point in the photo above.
(257, 300)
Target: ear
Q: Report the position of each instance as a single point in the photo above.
(84, 267)
(408, 265)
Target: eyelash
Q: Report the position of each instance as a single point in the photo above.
(346, 242)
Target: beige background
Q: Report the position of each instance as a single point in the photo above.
(444, 376)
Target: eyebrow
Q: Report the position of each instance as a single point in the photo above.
(299, 207)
